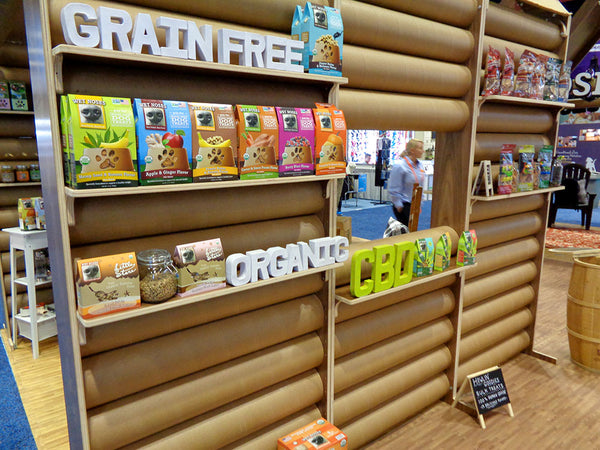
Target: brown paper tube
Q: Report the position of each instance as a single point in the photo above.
(516, 48)
(5, 241)
(346, 312)
(370, 395)
(503, 255)
(10, 196)
(218, 208)
(14, 55)
(18, 149)
(137, 329)
(386, 111)
(16, 126)
(6, 278)
(15, 74)
(495, 118)
(403, 73)
(494, 356)
(494, 231)
(240, 418)
(375, 424)
(342, 275)
(265, 437)
(9, 217)
(488, 285)
(172, 403)
(377, 326)
(490, 210)
(479, 340)
(6, 262)
(366, 363)
(124, 371)
(235, 238)
(488, 145)
(525, 29)
(375, 27)
(454, 12)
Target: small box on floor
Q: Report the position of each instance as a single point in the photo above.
(318, 434)
(343, 227)
(46, 325)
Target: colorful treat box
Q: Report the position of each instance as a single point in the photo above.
(258, 141)
(318, 434)
(40, 213)
(330, 139)
(18, 96)
(545, 165)
(26, 211)
(526, 168)
(442, 252)
(101, 136)
(4, 95)
(200, 267)
(467, 248)
(296, 141)
(214, 142)
(164, 141)
(505, 176)
(424, 256)
(107, 284)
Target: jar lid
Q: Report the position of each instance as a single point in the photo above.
(154, 257)
(34, 166)
(7, 167)
(21, 166)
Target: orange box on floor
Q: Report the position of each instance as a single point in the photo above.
(319, 434)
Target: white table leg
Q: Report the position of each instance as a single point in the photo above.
(13, 293)
(31, 295)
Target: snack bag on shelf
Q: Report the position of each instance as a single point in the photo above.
(18, 96)
(506, 173)
(258, 141)
(545, 166)
(552, 78)
(101, 134)
(492, 72)
(64, 138)
(107, 284)
(524, 74)
(26, 210)
(214, 142)
(526, 168)
(200, 267)
(424, 257)
(538, 79)
(296, 141)
(322, 32)
(507, 84)
(443, 250)
(4, 95)
(564, 81)
(164, 141)
(467, 248)
(330, 139)
(318, 434)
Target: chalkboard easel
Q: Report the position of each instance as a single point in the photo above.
(489, 392)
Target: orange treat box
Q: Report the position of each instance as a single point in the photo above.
(330, 139)
(319, 434)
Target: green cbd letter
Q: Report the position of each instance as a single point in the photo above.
(405, 255)
(383, 271)
(356, 289)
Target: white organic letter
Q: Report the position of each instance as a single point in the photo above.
(88, 35)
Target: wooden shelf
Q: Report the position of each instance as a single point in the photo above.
(29, 183)
(17, 113)
(522, 101)
(343, 295)
(177, 302)
(83, 53)
(483, 198)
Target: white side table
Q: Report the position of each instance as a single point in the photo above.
(28, 241)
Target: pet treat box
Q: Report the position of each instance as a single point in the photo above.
(214, 142)
(26, 211)
(319, 434)
(200, 267)
(443, 250)
(424, 257)
(330, 140)
(526, 168)
(545, 166)
(107, 284)
(64, 138)
(296, 141)
(258, 141)
(102, 147)
(18, 96)
(40, 213)
(164, 140)
(467, 248)
(4, 95)
(505, 175)
(322, 32)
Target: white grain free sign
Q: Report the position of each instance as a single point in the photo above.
(184, 39)
(278, 261)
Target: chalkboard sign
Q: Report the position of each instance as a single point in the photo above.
(489, 390)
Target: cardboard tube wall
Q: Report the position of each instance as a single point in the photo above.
(15, 74)
(5, 241)
(490, 210)
(219, 208)
(240, 418)
(9, 217)
(482, 339)
(10, 197)
(528, 30)
(495, 356)
(18, 149)
(488, 145)
(366, 363)
(5, 258)
(494, 231)
(454, 12)
(402, 73)
(494, 118)
(12, 126)
(502, 255)
(369, 396)
(366, 330)
(14, 55)
(371, 426)
(387, 111)
(516, 48)
(137, 416)
(342, 275)
(480, 288)
(346, 312)
(235, 238)
(375, 27)
(114, 374)
(125, 332)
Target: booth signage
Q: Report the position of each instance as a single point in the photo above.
(586, 84)
(103, 26)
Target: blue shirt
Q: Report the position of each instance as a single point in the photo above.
(402, 179)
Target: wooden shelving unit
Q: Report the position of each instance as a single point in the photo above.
(522, 101)
(492, 198)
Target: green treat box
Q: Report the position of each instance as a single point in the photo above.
(4, 95)
(424, 256)
(64, 138)
(443, 250)
(467, 248)
(18, 96)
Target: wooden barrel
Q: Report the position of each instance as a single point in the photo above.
(583, 312)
